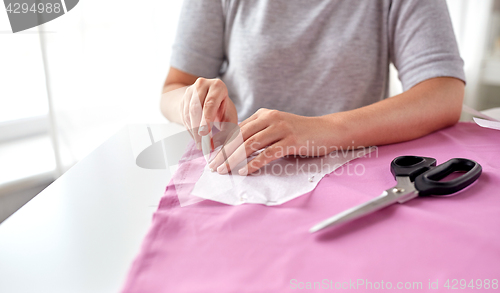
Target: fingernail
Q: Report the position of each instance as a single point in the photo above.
(222, 169)
(202, 129)
(212, 170)
(243, 171)
(198, 145)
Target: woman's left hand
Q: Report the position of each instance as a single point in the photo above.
(279, 134)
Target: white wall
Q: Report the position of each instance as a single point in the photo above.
(107, 62)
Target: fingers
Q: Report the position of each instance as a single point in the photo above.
(250, 119)
(256, 135)
(237, 138)
(238, 159)
(228, 131)
(215, 97)
(270, 154)
(229, 147)
(195, 112)
(192, 108)
(269, 129)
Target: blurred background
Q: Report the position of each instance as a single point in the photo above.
(70, 84)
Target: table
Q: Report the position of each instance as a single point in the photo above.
(82, 232)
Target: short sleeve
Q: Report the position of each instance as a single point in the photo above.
(422, 42)
(199, 43)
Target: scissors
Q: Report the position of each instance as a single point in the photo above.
(416, 176)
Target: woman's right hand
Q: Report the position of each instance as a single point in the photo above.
(203, 103)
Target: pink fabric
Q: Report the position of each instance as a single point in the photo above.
(212, 247)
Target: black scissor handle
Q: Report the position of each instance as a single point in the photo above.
(428, 183)
(411, 166)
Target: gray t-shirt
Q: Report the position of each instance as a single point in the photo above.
(314, 57)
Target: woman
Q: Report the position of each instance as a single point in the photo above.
(313, 71)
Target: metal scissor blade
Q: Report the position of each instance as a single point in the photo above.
(387, 198)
